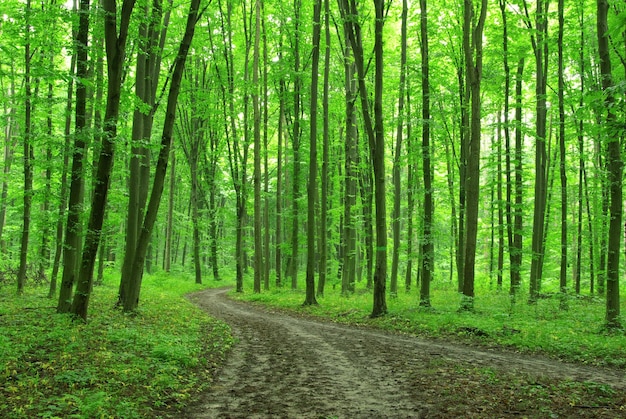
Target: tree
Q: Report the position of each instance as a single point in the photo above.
(258, 224)
(115, 49)
(472, 47)
(312, 184)
(130, 304)
(614, 171)
(374, 130)
(540, 47)
(397, 157)
(71, 250)
(428, 251)
(28, 153)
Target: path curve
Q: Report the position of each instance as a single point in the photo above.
(284, 366)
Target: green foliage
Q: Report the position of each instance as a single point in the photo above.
(149, 364)
(573, 335)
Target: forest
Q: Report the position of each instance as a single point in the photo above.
(385, 145)
(449, 169)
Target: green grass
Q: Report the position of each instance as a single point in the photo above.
(150, 364)
(573, 335)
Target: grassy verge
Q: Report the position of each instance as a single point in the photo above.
(125, 366)
(575, 334)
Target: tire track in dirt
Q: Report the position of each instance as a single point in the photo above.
(290, 367)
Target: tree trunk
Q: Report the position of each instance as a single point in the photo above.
(397, 157)
(312, 184)
(614, 172)
(472, 40)
(428, 248)
(71, 249)
(169, 223)
(131, 303)
(28, 155)
(540, 47)
(323, 264)
(258, 224)
(563, 173)
(115, 49)
(348, 273)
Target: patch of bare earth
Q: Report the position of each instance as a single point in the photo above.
(284, 366)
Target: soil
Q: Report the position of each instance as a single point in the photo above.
(287, 366)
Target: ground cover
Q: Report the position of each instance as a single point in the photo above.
(125, 366)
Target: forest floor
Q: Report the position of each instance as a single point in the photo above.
(289, 366)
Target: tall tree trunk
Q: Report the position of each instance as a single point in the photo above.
(516, 250)
(312, 184)
(614, 172)
(501, 211)
(292, 264)
(258, 224)
(428, 248)
(323, 251)
(348, 273)
(397, 157)
(410, 194)
(115, 49)
(10, 143)
(563, 173)
(64, 189)
(131, 303)
(28, 152)
(472, 46)
(71, 249)
(278, 246)
(540, 47)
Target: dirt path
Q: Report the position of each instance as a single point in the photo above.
(290, 367)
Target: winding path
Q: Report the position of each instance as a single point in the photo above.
(291, 367)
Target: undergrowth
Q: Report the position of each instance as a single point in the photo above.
(575, 334)
(149, 364)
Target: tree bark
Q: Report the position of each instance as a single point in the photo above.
(71, 250)
(28, 154)
(428, 248)
(614, 172)
(311, 264)
(472, 40)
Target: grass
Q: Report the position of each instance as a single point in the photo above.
(151, 364)
(575, 335)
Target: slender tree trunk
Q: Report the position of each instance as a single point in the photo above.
(64, 189)
(28, 152)
(472, 37)
(311, 264)
(323, 264)
(614, 172)
(131, 303)
(428, 247)
(279, 190)
(563, 173)
(71, 249)
(501, 210)
(397, 157)
(115, 48)
(292, 265)
(516, 250)
(258, 224)
(169, 223)
(348, 273)
(540, 47)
